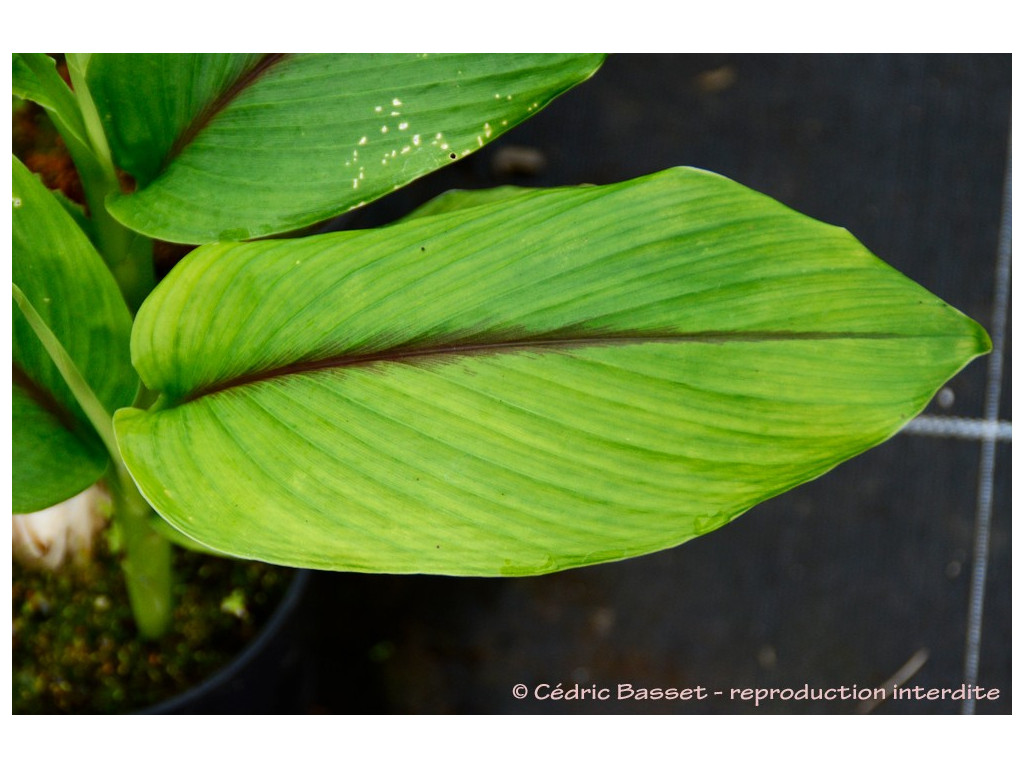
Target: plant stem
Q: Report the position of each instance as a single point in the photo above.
(147, 556)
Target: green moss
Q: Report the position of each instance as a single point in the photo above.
(75, 648)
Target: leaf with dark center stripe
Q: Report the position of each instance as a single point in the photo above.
(559, 378)
(239, 146)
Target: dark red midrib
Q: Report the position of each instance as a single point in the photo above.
(201, 120)
(412, 354)
(44, 399)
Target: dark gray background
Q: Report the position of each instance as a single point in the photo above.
(838, 582)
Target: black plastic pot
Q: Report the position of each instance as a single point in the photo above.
(271, 675)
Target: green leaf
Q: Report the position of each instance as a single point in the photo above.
(56, 453)
(76, 212)
(238, 146)
(34, 77)
(94, 410)
(560, 378)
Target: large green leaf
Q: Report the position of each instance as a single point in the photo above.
(56, 453)
(559, 378)
(237, 146)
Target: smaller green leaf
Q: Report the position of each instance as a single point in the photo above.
(84, 396)
(35, 78)
(52, 461)
(241, 146)
(76, 212)
(56, 451)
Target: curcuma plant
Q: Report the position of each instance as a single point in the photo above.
(505, 382)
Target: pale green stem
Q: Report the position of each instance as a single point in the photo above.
(77, 65)
(128, 254)
(147, 558)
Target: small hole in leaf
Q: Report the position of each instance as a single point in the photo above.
(452, 155)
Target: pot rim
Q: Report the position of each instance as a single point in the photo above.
(282, 613)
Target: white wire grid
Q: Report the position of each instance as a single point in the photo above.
(988, 431)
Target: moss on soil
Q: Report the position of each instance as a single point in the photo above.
(75, 649)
